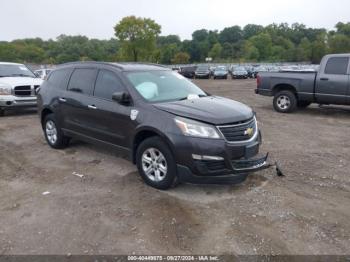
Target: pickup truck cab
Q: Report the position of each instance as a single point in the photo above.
(329, 85)
(170, 128)
(18, 85)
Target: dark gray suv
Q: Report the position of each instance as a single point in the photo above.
(171, 129)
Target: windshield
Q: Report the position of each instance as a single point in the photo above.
(160, 86)
(220, 68)
(15, 70)
(240, 69)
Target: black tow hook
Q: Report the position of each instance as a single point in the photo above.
(278, 169)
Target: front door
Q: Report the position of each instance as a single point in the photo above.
(332, 82)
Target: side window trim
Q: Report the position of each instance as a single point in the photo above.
(116, 75)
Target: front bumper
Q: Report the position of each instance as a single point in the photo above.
(240, 169)
(11, 101)
(232, 162)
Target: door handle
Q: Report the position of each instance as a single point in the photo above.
(92, 107)
(62, 99)
(324, 79)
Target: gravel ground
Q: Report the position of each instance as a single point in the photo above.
(111, 211)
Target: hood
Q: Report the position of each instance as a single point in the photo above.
(212, 109)
(20, 81)
(220, 72)
(240, 72)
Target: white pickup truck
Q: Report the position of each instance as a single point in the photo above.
(18, 86)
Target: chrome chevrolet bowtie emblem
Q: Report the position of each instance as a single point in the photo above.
(249, 132)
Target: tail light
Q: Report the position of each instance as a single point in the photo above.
(258, 80)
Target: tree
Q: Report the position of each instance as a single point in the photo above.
(343, 28)
(339, 43)
(252, 30)
(215, 52)
(181, 58)
(263, 43)
(137, 37)
(231, 35)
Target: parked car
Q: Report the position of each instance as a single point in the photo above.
(330, 85)
(239, 73)
(188, 71)
(42, 73)
(17, 86)
(220, 72)
(202, 71)
(252, 73)
(170, 128)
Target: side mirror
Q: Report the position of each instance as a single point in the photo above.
(122, 98)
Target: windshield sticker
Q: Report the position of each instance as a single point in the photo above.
(134, 114)
(23, 68)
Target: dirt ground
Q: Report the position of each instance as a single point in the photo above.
(111, 211)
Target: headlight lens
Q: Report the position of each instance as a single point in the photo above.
(4, 90)
(196, 129)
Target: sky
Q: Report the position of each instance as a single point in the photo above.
(96, 18)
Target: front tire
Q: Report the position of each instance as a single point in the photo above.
(53, 133)
(285, 101)
(2, 112)
(156, 163)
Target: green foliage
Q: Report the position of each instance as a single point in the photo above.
(215, 51)
(138, 40)
(181, 58)
(137, 37)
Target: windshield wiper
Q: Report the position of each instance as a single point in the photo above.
(185, 98)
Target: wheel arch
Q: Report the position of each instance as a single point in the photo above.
(281, 87)
(46, 111)
(144, 133)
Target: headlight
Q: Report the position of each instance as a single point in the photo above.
(4, 90)
(196, 129)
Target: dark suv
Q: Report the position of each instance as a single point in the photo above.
(171, 129)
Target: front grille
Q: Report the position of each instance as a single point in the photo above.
(22, 91)
(241, 131)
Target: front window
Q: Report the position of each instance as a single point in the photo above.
(160, 86)
(8, 70)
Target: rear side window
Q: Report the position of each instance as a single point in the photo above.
(59, 78)
(337, 66)
(83, 80)
(107, 83)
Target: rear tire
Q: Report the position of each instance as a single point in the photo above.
(303, 104)
(285, 101)
(53, 133)
(156, 163)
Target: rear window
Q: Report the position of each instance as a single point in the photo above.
(59, 78)
(83, 80)
(337, 66)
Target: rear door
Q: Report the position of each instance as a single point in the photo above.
(75, 105)
(57, 82)
(111, 120)
(332, 82)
